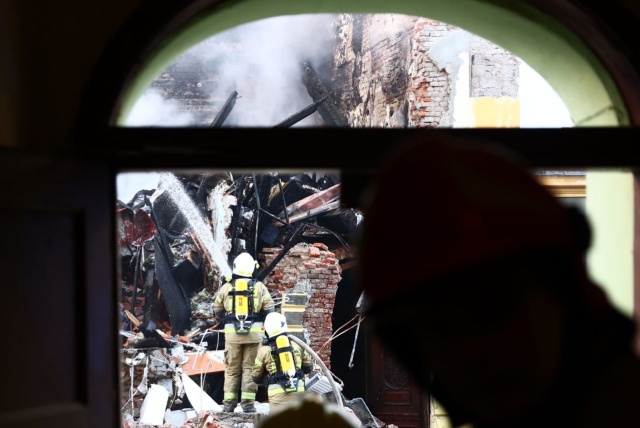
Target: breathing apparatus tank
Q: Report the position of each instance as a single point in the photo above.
(275, 326)
(241, 303)
(287, 364)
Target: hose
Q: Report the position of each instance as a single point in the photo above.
(324, 368)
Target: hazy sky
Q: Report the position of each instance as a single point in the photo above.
(540, 105)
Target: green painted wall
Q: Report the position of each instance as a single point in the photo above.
(610, 208)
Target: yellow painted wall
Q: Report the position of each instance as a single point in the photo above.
(503, 112)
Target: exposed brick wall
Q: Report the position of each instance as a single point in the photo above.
(313, 270)
(430, 86)
(494, 71)
(371, 56)
(384, 74)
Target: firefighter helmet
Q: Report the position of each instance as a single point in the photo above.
(244, 265)
(274, 324)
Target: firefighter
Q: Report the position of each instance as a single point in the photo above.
(241, 303)
(280, 364)
(507, 328)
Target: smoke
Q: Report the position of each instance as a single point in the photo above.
(129, 183)
(261, 60)
(151, 109)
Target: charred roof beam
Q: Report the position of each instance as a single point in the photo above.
(224, 111)
(297, 117)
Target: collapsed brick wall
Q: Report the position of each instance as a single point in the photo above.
(430, 90)
(384, 75)
(314, 270)
(387, 75)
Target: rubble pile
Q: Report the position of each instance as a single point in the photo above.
(176, 245)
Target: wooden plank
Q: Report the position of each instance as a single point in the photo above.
(202, 363)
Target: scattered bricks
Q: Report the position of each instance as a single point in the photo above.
(314, 252)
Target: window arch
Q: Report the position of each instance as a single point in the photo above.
(560, 56)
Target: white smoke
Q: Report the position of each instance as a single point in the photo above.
(151, 109)
(267, 70)
(261, 61)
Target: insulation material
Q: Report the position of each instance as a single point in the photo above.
(154, 405)
(200, 400)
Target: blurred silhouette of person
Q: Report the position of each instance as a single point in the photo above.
(309, 410)
(491, 291)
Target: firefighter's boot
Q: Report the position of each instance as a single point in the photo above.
(248, 407)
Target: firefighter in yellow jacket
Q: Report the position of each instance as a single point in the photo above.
(241, 303)
(280, 364)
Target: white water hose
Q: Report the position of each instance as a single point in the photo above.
(324, 368)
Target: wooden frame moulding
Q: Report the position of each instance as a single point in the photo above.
(565, 186)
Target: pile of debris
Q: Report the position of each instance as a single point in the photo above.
(176, 245)
(166, 387)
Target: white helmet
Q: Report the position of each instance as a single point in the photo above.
(274, 324)
(244, 265)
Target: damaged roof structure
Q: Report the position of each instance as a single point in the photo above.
(177, 242)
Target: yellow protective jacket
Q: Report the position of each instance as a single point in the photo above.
(262, 304)
(265, 368)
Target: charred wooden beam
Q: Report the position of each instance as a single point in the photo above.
(136, 275)
(235, 228)
(175, 296)
(262, 191)
(312, 212)
(224, 111)
(328, 109)
(297, 187)
(284, 201)
(311, 202)
(293, 240)
(201, 193)
(297, 117)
